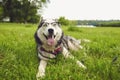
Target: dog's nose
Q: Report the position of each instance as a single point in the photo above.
(51, 31)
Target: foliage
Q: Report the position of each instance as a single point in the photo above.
(115, 23)
(1, 12)
(100, 23)
(66, 22)
(63, 21)
(22, 10)
(18, 56)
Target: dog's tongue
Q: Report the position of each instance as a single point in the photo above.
(50, 41)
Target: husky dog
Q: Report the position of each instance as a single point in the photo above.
(50, 41)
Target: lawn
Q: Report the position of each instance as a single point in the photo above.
(18, 56)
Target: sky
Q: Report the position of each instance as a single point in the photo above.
(83, 9)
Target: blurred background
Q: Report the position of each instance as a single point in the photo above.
(68, 12)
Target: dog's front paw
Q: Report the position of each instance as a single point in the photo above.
(81, 65)
(40, 74)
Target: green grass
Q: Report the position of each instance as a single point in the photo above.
(18, 57)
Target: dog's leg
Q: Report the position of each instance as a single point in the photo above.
(41, 69)
(67, 54)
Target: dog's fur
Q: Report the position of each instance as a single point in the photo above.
(50, 41)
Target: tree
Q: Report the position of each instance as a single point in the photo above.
(67, 22)
(63, 21)
(1, 13)
(22, 10)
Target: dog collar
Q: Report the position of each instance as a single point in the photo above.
(55, 52)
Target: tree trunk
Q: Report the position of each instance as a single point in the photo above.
(11, 18)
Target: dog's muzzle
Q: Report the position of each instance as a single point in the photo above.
(50, 37)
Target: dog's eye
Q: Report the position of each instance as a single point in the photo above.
(45, 24)
(54, 24)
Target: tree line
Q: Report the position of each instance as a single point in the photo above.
(97, 23)
(22, 11)
(100, 23)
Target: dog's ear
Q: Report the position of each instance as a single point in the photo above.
(41, 22)
(57, 21)
(41, 18)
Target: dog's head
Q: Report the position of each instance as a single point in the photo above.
(49, 32)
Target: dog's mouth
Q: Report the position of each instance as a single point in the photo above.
(50, 39)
